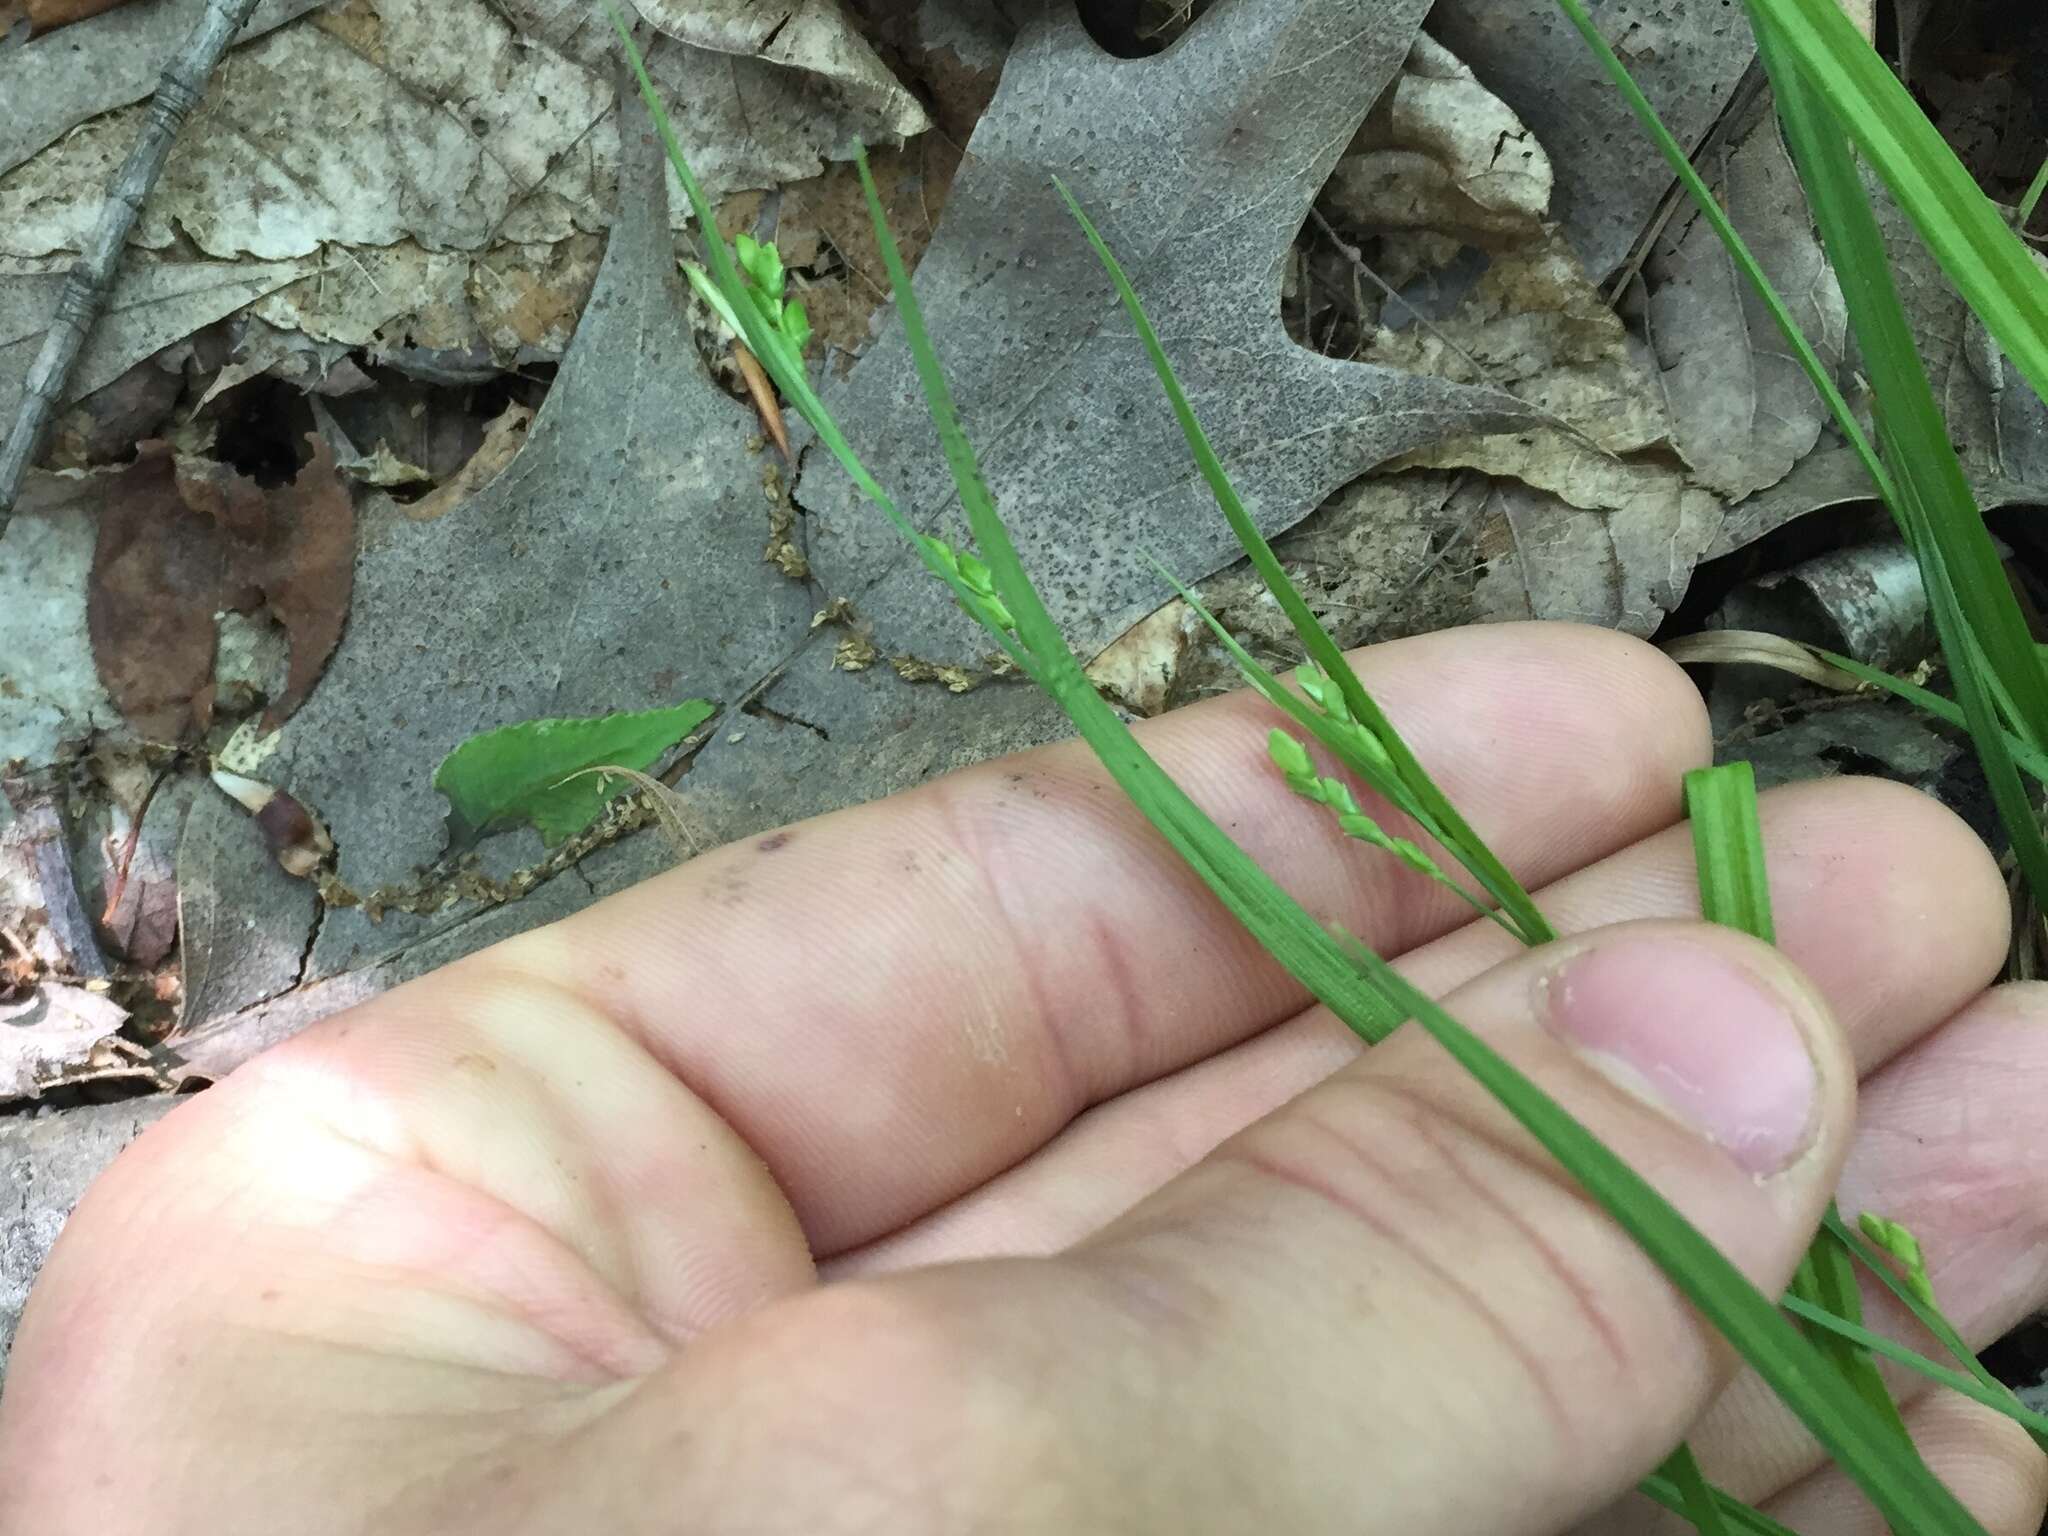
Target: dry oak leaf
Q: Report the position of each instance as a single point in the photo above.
(180, 540)
(1199, 165)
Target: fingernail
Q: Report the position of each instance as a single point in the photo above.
(1697, 1035)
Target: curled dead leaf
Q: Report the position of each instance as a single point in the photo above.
(1749, 647)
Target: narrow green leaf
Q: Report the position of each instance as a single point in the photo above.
(1993, 1395)
(1709, 206)
(534, 771)
(1443, 820)
(1288, 933)
(1971, 600)
(1827, 1280)
(1738, 1515)
(1696, 1495)
(706, 288)
(1987, 262)
(2023, 215)
(1728, 849)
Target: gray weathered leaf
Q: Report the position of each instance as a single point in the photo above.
(244, 922)
(50, 1033)
(51, 697)
(1622, 569)
(1442, 154)
(614, 563)
(1199, 165)
(154, 304)
(1832, 476)
(462, 120)
(1686, 54)
(1595, 522)
(57, 81)
(816, 36)
(746, 120)
(1742, 411)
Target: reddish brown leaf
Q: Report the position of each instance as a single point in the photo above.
(156, 580)
(179, 541)
(305, 569)
(45, 15)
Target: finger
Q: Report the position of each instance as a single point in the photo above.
(989, 955)
(1382, 1297)
(1853, 863)
(1987, 1461)
(1947, 1143)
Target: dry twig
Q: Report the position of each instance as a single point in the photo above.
(89, 281)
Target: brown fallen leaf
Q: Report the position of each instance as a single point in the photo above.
(156, 577)
(181, 539)
(48, 15)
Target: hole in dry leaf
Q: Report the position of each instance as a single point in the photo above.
(260, 431)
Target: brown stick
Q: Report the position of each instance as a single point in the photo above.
(92, 277)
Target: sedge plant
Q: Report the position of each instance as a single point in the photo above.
(1359, 986)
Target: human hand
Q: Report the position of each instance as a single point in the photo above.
(891, 1172)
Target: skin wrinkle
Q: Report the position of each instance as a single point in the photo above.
(1311, 1177)
(1058, 1075)
(1584, 1298)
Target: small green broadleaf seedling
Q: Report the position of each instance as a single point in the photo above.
(538, 771)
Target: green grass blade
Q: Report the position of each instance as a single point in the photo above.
(1728, 849)
(1964, 229)
(1994, 1395)
(1710, 209)
(1852, 1431)
(1447, 825)
(1738, 1515)
(1697, 1501)
(1919, 450)
(1288, 933)
(1975, 612)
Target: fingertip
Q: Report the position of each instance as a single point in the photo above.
(1891, 882)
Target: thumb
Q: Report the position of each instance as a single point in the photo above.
(1387, 1298)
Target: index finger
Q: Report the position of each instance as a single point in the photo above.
(893, 1003)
